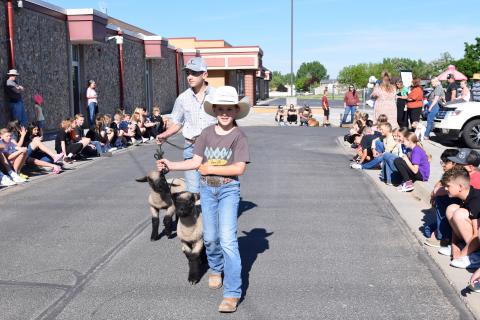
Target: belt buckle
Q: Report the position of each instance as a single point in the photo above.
(213, 181)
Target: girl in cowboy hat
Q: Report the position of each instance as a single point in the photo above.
(220, 155)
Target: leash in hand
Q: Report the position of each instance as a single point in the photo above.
(158, 156)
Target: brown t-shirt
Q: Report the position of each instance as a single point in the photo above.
(219, 150)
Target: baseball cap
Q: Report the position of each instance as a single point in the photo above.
(464, 156)
(196, 64)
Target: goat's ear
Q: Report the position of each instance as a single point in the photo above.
(142, 179)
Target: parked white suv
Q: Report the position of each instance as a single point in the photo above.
(459, 121)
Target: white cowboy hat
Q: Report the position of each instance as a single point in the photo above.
(13, 72)
(476, 76)
(226, 96)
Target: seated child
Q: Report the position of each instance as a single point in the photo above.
(414, 166)
(463, 218)
(439, 234)
(280, 115)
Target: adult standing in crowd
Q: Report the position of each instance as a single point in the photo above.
(435, 99)
(385, 102)
(92, 102)
(452, 89)
(402, 93)
(188, 113)
(475, 91)
(415, 101)
(466, 95)
(350, 103)
(14, 96)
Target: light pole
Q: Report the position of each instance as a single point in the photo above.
(291, 48)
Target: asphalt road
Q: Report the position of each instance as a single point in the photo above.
(317, 240)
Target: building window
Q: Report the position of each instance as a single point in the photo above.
(241, 83)
(76, 86)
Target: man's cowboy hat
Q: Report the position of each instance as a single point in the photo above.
(13, 72)
(476, 76)
(226, 96)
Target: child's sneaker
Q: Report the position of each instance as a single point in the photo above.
(24, 176)
(58, 157)
(16, 178)
(445, 251)
(112, 149)
(406, 186)
(475, 287)
(356, 166)
(6, 181)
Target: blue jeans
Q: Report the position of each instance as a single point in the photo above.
(389, 170)
(192, 177)
(17, 110)
(376, 161)
(219, 217)
(100, 149)
(443, 228)
(348, 109)
(92, 106)
(430, 117)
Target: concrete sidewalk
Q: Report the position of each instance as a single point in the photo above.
(416, 211)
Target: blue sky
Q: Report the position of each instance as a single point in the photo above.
(335, 32)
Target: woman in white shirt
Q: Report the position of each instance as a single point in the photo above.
(465, 91)
(92, 102)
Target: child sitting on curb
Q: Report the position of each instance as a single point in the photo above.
(439, 234)
(463, 218)
(412, 167)
(388, 144)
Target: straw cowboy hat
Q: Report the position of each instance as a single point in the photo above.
(13, 72)
(476, 76)
(226, 96)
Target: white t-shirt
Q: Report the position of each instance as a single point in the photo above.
(40, 115)
(92, 93)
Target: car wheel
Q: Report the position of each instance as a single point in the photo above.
(471, 134)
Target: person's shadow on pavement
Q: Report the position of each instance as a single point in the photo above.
(251, 245)
(245, 206)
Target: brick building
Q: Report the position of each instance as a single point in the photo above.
(57, 51)
(238, 66)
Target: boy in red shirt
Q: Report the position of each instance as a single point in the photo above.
(326, 109)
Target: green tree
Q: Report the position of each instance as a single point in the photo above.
(470, 63)
(301, 84)
(314, 71)
(355, 74)
(277, 80)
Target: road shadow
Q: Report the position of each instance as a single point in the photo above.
(244, 206)
(251, 244)
(429, 222)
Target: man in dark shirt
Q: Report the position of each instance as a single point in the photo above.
(463, 218)
(14, 96)
(451, 93)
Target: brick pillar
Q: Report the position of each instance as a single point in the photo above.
(250, 86)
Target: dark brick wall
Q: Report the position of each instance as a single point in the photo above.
(100, 63)
(164, 86)
(134, 74)
(41, 58)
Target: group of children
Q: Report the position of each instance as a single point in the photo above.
(23, 150)
(402, 160)
(292, 116)
(398, 153)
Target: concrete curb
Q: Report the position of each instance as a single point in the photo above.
(415, 210)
